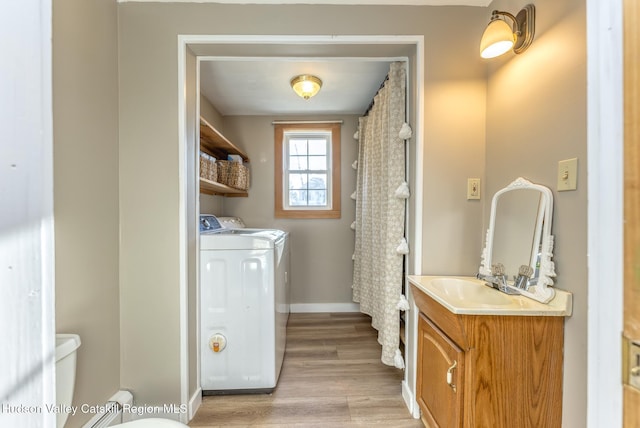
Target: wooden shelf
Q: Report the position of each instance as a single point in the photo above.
(212, 188)
(216, 144)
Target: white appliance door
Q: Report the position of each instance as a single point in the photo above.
(237, 303)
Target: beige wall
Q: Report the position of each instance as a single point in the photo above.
(148, 116)
(541, 95)
(321, 250)
(536, 116)
(85, 122)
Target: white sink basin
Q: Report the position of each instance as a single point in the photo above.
(468, 295)
(471, 291)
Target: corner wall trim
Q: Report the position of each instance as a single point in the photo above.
(195, 402)
(324, 307)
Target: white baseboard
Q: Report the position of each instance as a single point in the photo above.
(324, 307)
(195, 402)
(410, 401)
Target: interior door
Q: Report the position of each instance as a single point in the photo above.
(631, 210)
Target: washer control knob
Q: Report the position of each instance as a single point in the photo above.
(217, 342)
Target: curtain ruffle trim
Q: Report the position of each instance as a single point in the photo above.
(403, 303)
(356, 135)
(353, 195)
(402, 192)
(398, 361)
(403, 248)
(353, 226)
(405, 132)
(354, 165)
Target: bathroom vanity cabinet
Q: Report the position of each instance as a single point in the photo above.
(483, 370)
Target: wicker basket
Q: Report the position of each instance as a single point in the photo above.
(208, 167)
(233, 174)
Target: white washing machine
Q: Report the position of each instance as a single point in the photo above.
(244, 307)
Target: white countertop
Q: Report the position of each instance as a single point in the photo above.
(503, 304)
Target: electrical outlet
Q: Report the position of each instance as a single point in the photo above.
(473, 188)
(567, 174)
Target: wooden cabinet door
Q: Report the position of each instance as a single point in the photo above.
(440, 377)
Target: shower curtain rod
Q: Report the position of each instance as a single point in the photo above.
(305, 122)
(366, 113)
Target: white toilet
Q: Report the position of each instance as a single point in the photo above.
(66, 347)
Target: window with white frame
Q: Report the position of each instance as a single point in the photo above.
(307, 171)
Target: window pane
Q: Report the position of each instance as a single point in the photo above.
(297, 198)
(298, 181)
(318, 163)
(318, 147)
(298, 163)
(317, 181)
(317, 197)
(297, 147)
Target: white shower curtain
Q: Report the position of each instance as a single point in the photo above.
(380, 214)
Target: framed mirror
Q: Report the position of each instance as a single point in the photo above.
(519, 234)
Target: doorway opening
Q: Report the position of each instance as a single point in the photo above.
(194, 49)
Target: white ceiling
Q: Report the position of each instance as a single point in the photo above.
(247, 87)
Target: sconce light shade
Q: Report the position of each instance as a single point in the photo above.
(499, 37)
(306, 85)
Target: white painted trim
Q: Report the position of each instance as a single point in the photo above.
(416, 239)
(300, 40)
(183, 222)
(302, 58)
(198, 312)
(411, 352)
(605, 148)
(418, 187)
(195, 402)
(479, 3)
(27, 306)
(410, 400)
(417, 190)
(300, 308)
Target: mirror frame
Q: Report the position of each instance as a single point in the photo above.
(541, 291)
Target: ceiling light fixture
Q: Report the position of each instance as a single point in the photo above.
(499, 37)
(306, 85)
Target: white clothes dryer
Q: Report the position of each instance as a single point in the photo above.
(244, 307)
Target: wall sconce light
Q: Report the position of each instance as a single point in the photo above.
(499, 37)
(306, 85)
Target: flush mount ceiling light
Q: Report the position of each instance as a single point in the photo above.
(499, 37)
(306, 85)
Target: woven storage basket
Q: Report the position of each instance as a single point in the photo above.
(233, 174)
(213, 170)
(208, 168)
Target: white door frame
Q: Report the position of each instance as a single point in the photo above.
(27, 371)
(605, 153)
(184, 181)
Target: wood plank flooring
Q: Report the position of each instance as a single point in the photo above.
(331, 377)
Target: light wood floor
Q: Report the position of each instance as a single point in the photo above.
(331, 377)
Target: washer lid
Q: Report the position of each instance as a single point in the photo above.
(240, 239)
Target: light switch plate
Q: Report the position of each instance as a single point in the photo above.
(473, 188)
(568, 174)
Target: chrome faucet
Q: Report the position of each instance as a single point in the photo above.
(497, 279)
